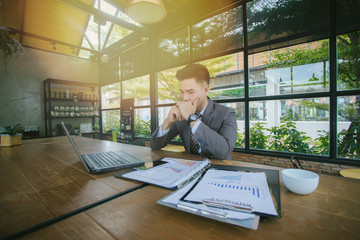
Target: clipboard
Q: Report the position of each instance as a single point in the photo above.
(272, 179)
(252, 223)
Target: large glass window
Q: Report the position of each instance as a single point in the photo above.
(271, 20)
(217, 34)
(168, 86)
(142, 122)
(302, 68)
(287, 78)
(139, 89)
(348, 47)
(227, 76)
(110, 121)
(162, 114)
(110, 96)
(172, 49)
(300, 126)
(348, 126)
(240, 120)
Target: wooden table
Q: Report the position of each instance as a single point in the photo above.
(29, 196)
(43, 178)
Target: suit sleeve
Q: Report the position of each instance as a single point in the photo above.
(222, 142)
(157, 143)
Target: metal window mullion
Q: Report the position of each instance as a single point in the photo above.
(333, 83)
(246, 79)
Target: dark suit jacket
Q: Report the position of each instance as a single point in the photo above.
(216, 133)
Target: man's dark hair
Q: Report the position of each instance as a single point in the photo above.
(195, 70)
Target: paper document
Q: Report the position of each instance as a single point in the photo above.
(177, 195)
(171, 174)
(237, 190)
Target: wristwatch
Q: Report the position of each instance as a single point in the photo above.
(192, 118)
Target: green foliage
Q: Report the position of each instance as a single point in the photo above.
(96, 127)
(348, 141)
(321, 146)
(287, 138)
(142, 128)
(349, 64)
(349, 111)
(240, 141)
(297, 56)
(168, 86)
(138, 88)
(8, 45)
(280, 138)
(258, 137)
(110, 122)
(12, 130)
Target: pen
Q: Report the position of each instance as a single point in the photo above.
(203, 212)
(241, 208)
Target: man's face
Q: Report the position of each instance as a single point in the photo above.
(190, 90)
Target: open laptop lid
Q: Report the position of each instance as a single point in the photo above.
(74, 145)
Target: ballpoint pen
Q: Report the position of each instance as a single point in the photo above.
(240, 207)
(208, 212)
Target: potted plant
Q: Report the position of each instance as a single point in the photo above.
(76, 130)
(54, 131)
(11, 136)
(8, 45)
(96, 127)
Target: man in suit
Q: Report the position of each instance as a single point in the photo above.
(205, 127)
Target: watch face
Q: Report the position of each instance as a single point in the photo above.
(193, 117)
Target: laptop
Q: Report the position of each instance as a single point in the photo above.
(102, 162)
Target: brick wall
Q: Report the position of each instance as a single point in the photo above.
(318, 167)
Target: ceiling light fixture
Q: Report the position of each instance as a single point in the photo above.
(100, 20)
(53, 46)
(146, 11)
(104, 58)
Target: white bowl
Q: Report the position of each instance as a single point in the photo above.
(300, 181)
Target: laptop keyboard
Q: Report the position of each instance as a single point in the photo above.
(106, 159)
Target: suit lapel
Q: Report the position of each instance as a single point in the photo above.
(208, 114)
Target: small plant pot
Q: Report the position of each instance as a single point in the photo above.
(8, 141)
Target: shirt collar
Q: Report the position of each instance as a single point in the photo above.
(203, 110)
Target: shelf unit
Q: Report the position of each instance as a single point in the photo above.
(75, 102)
(126, 133)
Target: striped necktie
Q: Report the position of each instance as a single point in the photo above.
(194, 146)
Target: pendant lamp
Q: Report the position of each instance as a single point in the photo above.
(146, 11)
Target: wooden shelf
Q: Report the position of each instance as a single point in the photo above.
(71, 100)
(74, 117)
(76, 91)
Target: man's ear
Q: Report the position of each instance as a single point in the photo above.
(207, 89)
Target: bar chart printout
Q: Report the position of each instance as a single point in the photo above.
(236, 189)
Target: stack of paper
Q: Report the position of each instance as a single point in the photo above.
(228, 196)
(171, 174)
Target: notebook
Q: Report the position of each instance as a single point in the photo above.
(102, 162)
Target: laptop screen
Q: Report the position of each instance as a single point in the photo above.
(73, 143)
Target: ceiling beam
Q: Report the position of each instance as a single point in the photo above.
(50, 40)
(101, 15)
(117, 5)
(22, 21)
